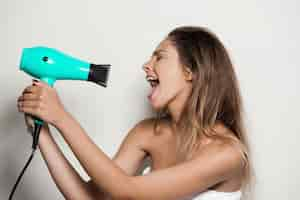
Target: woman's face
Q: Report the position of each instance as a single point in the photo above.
(166, 75)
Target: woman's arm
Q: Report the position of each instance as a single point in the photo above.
(129, 157)
(67, 180)
(104, 173)
(213, 165)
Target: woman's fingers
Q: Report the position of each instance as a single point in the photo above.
(31, 107)
(30, 104)
(30, 93)
(30, 89)
(30, 110)
(29, 97)
(41, 101)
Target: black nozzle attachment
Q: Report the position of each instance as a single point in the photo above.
(99, 74)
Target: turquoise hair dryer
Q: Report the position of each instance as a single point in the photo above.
(49, 65)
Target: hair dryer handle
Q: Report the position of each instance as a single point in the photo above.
(38, 123)
(49, 81)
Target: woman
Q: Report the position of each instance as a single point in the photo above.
(196, 143)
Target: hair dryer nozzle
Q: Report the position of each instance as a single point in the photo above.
(99, 74)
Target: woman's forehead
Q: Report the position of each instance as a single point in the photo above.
(165, 46)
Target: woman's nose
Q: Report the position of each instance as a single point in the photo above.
(146, 66)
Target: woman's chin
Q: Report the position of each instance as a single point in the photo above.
(156, 105)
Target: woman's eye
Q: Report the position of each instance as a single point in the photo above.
(158, 57)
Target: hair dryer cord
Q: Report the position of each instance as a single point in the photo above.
(21, 174)
(36, 133)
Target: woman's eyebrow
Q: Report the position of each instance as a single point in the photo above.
(156, 52)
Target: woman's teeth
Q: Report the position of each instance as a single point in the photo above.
(153, 81)
(154, 89)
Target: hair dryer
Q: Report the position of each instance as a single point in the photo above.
(50, 65)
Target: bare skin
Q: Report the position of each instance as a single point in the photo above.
(215, 165)
(162, 148)
(138, 144)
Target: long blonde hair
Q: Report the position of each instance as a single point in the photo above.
(215, 95)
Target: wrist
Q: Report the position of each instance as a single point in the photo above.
(45, 135)
(45, 127)
(63, 119)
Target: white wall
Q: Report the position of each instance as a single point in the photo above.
(262, 37)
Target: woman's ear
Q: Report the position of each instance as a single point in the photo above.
(188, 74)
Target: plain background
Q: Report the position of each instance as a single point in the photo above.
(262, 38)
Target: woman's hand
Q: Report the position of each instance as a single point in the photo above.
(42, 101)
(29, 121)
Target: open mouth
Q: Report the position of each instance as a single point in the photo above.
(153, 81)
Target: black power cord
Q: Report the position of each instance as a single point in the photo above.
(21, 174)
(36, 133)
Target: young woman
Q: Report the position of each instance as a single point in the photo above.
(196, 142)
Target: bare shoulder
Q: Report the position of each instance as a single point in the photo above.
(144, 132)
(133, 148)
(223, 149)
(144, 128)
(145, 123)
(141, 132)
(227, 153)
